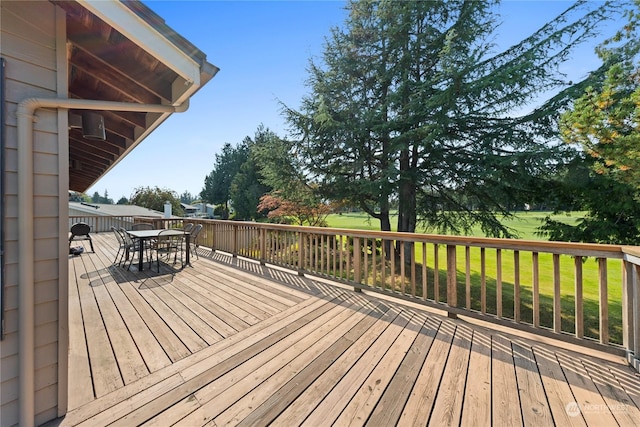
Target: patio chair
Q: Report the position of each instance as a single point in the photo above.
(80, 231)
(132, 246)
(167, 245)
(142, 226)
(193, 240)
(124, 249)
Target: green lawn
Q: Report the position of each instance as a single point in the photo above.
(525, 224)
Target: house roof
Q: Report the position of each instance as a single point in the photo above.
(122, 51)
(102, 209)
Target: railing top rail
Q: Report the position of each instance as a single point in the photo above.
(571, 248)
(630, 253)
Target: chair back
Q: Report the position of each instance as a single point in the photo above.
(80, 229)
(125, 236)
(187, 227)
(169, 232)
(142, 226)
(167, 240)
(118, 235)
(194, 233)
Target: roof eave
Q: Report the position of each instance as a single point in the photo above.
(193, 69)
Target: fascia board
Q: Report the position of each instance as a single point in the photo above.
(120, 17)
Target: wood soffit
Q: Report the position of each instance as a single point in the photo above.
(105, 65)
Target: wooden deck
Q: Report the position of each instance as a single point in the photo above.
(230, 342)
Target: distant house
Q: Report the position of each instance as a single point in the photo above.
(82, 208)
(81, 85)
(190, 211)
(199, 210)
(206, 210)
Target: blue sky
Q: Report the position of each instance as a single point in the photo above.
(262, 49)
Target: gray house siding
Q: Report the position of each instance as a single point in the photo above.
(30, 38)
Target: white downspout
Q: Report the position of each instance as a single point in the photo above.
(26, 293)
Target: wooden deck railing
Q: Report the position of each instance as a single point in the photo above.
(102, 223)
(583, 293)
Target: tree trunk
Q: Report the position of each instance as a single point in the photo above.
(385, 225)
(407, 196)
(407, 216)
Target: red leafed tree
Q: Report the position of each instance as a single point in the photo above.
(293, 212)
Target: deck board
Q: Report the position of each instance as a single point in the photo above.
(389, 408)
(232, 342)
(448, 407)
(506, 409)
(423, 395)
(267, 378)
(333, 405)
(81, 389)
(364, 401)
(280, 399)
(533, 401)
(154, 355)
(476, 408)
(104, 367)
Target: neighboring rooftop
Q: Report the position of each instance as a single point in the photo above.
(103, 209)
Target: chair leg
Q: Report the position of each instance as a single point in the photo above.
(125, 256)
(115, 260)
(131, 257)
(193, 251)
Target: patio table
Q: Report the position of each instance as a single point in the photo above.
(143, 235)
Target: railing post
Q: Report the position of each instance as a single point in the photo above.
(357, 251)
(628, 338)
(452, 292)
(604, 300)
(263, 245)
(631, 309)
(636, 318)
(213, 227)
(234, 249)
(579, 304)
(300, 253)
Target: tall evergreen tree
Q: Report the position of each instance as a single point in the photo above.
(283, 173)
(217, 185)
(605, 123)
(186, 197)
(248, 184)
(411, 101)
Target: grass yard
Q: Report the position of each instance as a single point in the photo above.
(525, 223)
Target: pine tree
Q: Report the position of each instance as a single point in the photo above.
(410, 101)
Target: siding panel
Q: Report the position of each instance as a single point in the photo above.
(32, 74)
(24, 12)
(44, 207)
(46, 312)
(45, 162)
(17, 91)
(46, 293)
(46, 227)
(28, 37)
(43, 253)
(45, 145)
(44, 185)
(16, 48)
